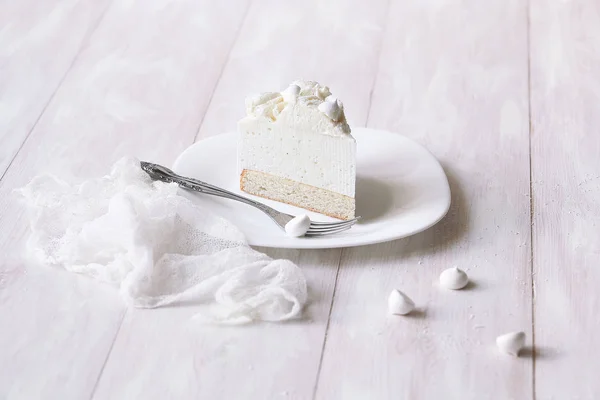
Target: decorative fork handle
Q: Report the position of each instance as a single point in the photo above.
(164, 174)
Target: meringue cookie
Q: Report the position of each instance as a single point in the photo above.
(454, 278)
(331, 98)
(331, 109)
(322, 92)
(511, 343)
(291, 94)
(399, 303)
(298, 226)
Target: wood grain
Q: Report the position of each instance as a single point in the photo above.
(163, 354)
(131, 92)
(38, 44)
(335, 43)
(565, 149)
(278, 42)
(83, 83)
(453, 76)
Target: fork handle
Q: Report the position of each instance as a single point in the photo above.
(205, 188)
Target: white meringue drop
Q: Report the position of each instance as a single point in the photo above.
(331, 109)
(511, 343)
(399, 303)
(322, 92)
(290, 94)
(298, 226)
(454, 278)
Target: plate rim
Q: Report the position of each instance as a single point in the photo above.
(312, 243)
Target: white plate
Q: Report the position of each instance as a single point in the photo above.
(401, 190)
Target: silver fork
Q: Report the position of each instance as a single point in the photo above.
(158, 172)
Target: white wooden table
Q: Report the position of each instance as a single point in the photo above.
(505, 93)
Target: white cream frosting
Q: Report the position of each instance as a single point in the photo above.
(286, 134)
(304, 104)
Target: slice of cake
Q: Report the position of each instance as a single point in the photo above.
(296, 147)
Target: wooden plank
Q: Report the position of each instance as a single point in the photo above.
(140, 87)
(334, 42)
(338, 44)
(565, 144)
(453, 76)
(38, 44)
(162, 354)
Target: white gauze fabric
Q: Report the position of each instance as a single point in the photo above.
(158, 247)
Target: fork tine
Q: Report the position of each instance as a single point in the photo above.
(324, 228)
(330, 228)
(328, 224)
(313, 233)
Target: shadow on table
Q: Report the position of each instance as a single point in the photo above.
(439, 237)
(539, 353)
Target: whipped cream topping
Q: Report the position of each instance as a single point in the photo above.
(267, 105)
(302, 103)
(399, 303)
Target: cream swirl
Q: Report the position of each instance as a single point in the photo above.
(302, 102)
